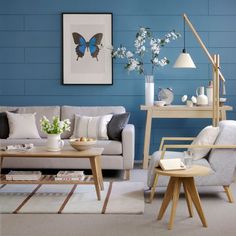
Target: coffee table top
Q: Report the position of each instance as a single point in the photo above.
(42, 152)
(195, 170)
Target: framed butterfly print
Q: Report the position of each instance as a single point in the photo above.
(87, 41)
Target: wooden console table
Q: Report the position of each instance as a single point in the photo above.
(175, 111)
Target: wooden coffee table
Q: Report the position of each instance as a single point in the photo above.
(92, 154)
(191, 194)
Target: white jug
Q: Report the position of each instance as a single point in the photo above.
(54, 142)
(202, 99)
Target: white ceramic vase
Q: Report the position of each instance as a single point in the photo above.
(149, 90)
(54, 142)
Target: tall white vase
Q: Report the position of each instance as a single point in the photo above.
(149, 90)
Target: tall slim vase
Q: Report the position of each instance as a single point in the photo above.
(149, 90)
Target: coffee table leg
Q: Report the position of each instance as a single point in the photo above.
(190, 184)
(175, 201)
(188, 200)
(98, 160)
(168, 196)
(94, 168)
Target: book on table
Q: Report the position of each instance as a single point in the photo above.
(23, 175)
(172, 164)
(70, 175)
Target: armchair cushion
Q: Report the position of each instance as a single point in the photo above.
(207, 136)
(224, 160)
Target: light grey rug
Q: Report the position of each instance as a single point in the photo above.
(117, 198)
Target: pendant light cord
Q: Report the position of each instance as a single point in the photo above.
(184, 50)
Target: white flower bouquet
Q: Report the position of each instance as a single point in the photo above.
(56, 127)
(135, 60)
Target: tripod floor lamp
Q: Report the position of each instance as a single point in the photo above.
(184, 61)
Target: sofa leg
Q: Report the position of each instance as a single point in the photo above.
(229, 193)
(126, 174)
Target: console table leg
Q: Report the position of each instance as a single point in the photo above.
(147, 139)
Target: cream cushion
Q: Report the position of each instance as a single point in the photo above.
(22, 126)
(207, 136)
(92, 127)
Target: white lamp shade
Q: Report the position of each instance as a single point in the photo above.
(184, 61)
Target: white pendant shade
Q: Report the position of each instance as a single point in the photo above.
(184, 61)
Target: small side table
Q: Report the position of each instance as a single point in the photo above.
(191, 194)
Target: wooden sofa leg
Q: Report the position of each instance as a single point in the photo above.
(229, 193)
(126, 174)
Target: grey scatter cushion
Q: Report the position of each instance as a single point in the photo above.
(116, 125)
(4, 125)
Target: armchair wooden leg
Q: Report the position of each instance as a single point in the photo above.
(229, 193)
(153, 189)
(126, 174)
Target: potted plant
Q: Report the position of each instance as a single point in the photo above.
(54, 130)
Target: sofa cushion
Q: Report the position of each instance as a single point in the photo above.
(91, 127)
(4, 125)
(68, 112)
(22, 126)
(110, 147)
(116, 125)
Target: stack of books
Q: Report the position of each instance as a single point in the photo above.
(70, 175)
(23, 175)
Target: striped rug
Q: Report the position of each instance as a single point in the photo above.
(117, 198)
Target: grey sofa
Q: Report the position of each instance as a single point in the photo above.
(222, 162)
(116, 155)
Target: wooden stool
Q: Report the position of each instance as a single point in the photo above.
(191, 194)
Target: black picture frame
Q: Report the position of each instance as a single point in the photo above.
(87, 39)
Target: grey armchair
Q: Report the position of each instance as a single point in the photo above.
(221, 160)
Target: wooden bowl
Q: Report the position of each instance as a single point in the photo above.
(82, 145)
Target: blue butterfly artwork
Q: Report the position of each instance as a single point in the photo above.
(91, 45)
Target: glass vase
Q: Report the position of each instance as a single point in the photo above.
(149, 90)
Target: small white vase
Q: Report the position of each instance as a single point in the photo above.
(54, 142)
(149, 90)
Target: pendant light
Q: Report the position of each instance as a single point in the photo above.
(184, 60)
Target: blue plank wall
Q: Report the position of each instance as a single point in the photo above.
(30, 56)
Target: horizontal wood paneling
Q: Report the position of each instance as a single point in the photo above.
(11, 22)
(30, 39)
(133, 7)
(30, 56)
(12, 55)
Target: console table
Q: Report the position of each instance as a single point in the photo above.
(175, 111)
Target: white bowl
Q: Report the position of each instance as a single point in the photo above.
(160, 103)
(82, 145)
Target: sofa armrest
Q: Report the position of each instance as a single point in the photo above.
(128, 145)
